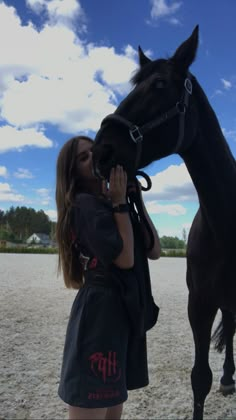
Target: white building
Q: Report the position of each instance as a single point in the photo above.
(39, 239)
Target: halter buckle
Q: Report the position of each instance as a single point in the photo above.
(135, 134)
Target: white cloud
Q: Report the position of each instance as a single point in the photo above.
(67, 8)
(52, 214)
(114, 68)
(3, 171)
(23, 174)
(59, 7)
(226, 83)
(174, 183)
(59, 79)
(229, 134)
(172, 209)
(7, 194)
(187, 227)
(160, 9)
(57, 102)
(217, 93)
(42, 191)
(130, 52)
(36, 5)
(65, 12)
(171, 231)
(44, 196)
(12, 138)
(174, 21)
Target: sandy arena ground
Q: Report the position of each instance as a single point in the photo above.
(34, 309)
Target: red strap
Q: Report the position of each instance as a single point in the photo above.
(93, 262)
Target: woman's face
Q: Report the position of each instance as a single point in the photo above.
(84, 159)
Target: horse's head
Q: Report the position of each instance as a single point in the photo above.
(150, 123)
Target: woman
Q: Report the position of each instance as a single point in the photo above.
(109, 317)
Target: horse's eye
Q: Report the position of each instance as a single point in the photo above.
(160, 84)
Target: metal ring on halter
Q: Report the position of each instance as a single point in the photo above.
(147, 179)
(188, 86)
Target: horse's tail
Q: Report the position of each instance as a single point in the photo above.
(225, 329)
(219, 337)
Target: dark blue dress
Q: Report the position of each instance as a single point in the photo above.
(105, 347)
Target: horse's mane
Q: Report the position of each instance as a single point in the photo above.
(209, 114)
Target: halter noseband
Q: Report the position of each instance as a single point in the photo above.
(137, 133)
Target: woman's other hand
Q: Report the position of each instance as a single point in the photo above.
(117, 188)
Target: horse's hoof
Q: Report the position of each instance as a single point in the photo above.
(227, 389)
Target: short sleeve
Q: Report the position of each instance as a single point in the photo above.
(95, 228)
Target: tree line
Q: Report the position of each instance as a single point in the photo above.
(19, 223)
(170, 242)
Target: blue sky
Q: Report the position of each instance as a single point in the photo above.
(66, 64)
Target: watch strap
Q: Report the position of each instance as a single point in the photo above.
(120, 208)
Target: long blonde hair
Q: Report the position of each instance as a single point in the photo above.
(67, 182)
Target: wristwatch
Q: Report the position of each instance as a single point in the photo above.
(120, 208)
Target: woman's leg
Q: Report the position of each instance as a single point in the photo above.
(114, 413)
(78, 413)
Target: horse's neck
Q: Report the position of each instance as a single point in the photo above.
(213, 170)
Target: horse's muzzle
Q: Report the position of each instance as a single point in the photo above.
(103, 160)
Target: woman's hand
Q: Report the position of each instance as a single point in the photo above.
(117, 186)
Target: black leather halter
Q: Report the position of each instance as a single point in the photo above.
(137, 132)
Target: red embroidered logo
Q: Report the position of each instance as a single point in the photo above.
(105, 366)
(93, 262)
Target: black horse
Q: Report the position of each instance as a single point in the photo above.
(167, 112)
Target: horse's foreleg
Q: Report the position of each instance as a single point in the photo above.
(201, 317)
(227, 383)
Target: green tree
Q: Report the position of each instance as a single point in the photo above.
(22, 222)
(170, 242)
(184, 236)
(43, 224)
(6, 236)
(53, 231)
(1, 217)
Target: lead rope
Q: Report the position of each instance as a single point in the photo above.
(134, 200)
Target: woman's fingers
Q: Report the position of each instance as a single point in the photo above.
(118, 182)
(122, 177)
(119, 173)
(118, 176)
(125, 180)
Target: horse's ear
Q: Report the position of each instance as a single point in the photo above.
(143, 59)
(186, 53)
